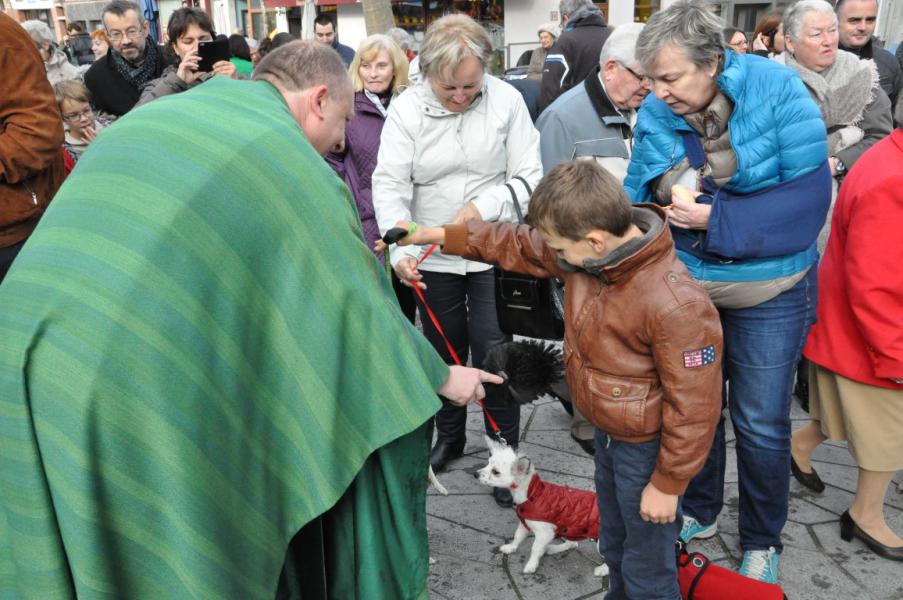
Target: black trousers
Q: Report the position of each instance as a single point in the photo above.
(465, 308)
(7, 255)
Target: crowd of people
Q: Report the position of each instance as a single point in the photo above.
(214, 380)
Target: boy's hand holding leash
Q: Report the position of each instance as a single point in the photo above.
(408, 233)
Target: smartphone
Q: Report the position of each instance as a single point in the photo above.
(212, 52)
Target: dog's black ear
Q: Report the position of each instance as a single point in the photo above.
(522, 466)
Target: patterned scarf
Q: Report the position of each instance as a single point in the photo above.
(842, 91)
(142, 73)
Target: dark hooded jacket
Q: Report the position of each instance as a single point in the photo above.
(889, 70)
(573, 56)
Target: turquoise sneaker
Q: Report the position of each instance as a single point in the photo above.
(761, 565)
(694, 529)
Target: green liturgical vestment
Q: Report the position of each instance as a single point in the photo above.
(199, 358)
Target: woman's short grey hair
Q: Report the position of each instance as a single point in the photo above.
(621, 44)
(40, 32)
(688, 25)
(568, 7)
(449, 41)
(796, 14)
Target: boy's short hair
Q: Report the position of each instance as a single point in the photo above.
(71, 89)
(577, 197)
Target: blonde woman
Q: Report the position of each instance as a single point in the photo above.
(449, 146)
(378, 72)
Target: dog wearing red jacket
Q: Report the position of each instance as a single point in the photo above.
(545, 509)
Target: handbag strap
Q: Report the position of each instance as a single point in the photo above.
(557, 293)
(517, 209)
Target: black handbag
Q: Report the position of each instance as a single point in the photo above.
(526, 305)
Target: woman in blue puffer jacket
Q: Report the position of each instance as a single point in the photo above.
(744, 135)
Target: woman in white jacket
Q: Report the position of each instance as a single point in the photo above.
(449, 146)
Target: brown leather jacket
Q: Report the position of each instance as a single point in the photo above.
(31, 135)
(643, 342)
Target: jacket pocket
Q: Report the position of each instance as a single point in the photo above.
(620, 404)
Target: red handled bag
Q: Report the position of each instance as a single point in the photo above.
(701, 580)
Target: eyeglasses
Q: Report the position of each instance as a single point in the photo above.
(640, 78)
(132, 33)
(76, 116)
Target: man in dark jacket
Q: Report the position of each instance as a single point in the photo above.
(856, 25)
(133, 60)
(31, 165)
(78, 47)
(325, 30)
(576, 52)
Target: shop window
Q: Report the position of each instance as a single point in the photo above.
(603, 6)
(416, 17)
(747, 16)
(643, 9)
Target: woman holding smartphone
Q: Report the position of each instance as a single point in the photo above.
(187, 28)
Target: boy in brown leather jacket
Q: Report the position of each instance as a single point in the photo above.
(642, 353)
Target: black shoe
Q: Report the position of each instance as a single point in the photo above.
(444, 451)
(809, 480)
(502, 497)
(587, 446)
(849, 529)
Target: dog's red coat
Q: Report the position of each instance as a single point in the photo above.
(574, 513)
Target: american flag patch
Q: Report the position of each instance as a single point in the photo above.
(699, 358)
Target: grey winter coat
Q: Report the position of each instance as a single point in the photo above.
(167, 84)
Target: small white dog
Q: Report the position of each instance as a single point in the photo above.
(548, 510)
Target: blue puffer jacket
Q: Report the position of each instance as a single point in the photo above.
(777, 133)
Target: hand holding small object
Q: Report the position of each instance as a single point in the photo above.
(685, 212)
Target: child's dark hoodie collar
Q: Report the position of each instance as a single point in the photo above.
(635, 253)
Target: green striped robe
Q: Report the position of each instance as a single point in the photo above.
(199, 357)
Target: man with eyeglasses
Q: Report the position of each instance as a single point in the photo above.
(31, 166)
(856, 25)
(595, 121)
(133, 60)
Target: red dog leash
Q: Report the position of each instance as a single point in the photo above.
(451, 350)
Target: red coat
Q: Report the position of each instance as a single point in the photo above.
(574, 513)
(859, 333)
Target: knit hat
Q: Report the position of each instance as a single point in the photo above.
(552, 27)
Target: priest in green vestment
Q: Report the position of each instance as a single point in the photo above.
(206, 387)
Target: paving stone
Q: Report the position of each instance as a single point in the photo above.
(550, 417)
(803, 511)
(471, 514)
(453, 578)
(881, 577)
(810, 575)
(569, 574)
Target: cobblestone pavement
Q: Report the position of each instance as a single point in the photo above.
(466, 527)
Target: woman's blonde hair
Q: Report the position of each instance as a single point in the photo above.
(71, 89)
(449, 41)
(368, 50)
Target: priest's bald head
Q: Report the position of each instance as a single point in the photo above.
(315, 84)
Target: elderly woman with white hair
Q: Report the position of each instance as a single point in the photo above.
(449, 147)
(745, 137)
(548, 33)
(55, 61)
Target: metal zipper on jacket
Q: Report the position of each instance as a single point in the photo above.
(34, 197)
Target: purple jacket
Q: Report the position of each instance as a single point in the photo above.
(356, 166)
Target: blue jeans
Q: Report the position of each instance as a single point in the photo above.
(762, 346)
(640, 556)
(465, 308)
